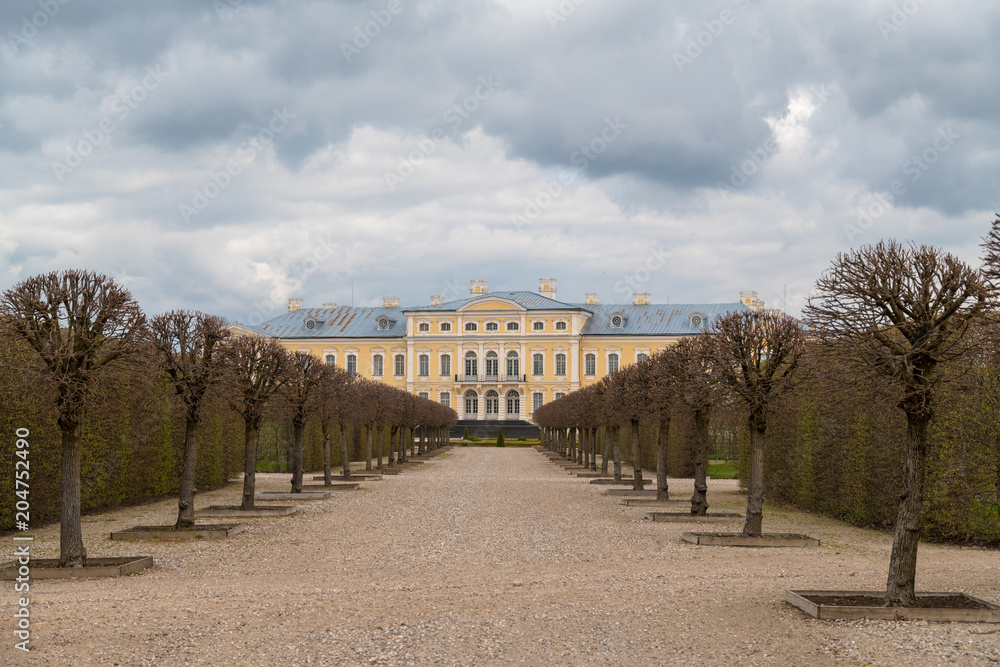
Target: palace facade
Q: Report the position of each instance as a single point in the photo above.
(494, 355)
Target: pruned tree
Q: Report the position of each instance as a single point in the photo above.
(79, 324)
(333, 390)
(757, 353)
(306, 374)
(258, 368)
(666, 367)
(904, 311)
(188, 352)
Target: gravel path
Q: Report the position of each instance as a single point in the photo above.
(486, 556)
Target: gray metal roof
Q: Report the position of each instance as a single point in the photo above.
(340, 322)
(654, 319)
(529, 300)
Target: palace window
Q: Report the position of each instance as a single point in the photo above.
(513, 326)
(471, 364)
(513, 402)
(445, 399)
(537, 326)
(612, 363)
(377, 365)
(330, 360)
(492, 364)
(425, 364)
(559, 395)
(471, 402)
(352, 364)
(513, 365)
(560, 364)
(424, 394)
(560, 326)
(537, 399)
(445, 364)
(423, 326)
(492, 326)
(446, 326)
(400, 365)
(471, 326)
(537, 364)
(590, 364)
(642, 356)
(492, 402)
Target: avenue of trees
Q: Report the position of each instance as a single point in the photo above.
(121, 409)
(882, 407)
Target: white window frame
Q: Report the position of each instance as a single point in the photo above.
(561, 356)
(399, 365)
(445, 364)
(378, 365)
(424, 364)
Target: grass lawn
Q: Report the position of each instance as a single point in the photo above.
(722, 470)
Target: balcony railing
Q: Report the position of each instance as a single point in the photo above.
(491, 378)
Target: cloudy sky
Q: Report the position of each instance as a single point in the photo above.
(227, 155)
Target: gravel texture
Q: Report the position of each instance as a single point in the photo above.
(486, 556)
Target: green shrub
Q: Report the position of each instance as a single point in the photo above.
(500, 437)
(522, 439)
(465, 434)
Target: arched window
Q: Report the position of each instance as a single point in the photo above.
(590, 364)
(425, 365)
(537, 364)
(492, 364)
(446, 326)
(330, 359)
(352, 364)
(470, 326)
(492, 402)
(400, 365)
(537, 326)
(513, 326)
(445, 364)
(513, 364)
(642, 356)
(471, 364)
(471, 402)
(377, 365)
(612, 363)
(423, 326)
(560, 364)
(513, 403)
(560, 326)
(492, 326)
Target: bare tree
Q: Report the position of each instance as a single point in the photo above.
(757, 353)
(79, 323)
(258, 368)
(904, 312)
(187, 345)
(991, 262)
(306, 374)
(332, 396)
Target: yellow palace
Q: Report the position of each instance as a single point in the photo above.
(492, 356)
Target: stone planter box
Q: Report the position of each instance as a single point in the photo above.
(288, 495)
(216, 531)
(740, 540)
(336, 486)
(687, 517)
(355, 477)
(653, 502)
(624, 482)
(235, 510)
(48, 568)
(818, 604)
(642, 493)
(592, 475)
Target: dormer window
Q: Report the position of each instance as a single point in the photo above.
(446, 326)
(697, 320)
(471, 326)
(513, 326)
(423, 327)
(538, 326)
(617, 321)
(492, 326)
(560, 326)
(382, 323)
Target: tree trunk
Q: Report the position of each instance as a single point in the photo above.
(593, 448)
(185, 504)
(423, 440)
(636, 458)
(326, 454)
(906, 535)
(249, 465)
(368, 451)
(616, 436)
(299, 431)
(380, 436)
(699, 501)
(345, 456)
(607, 451)
(755, 484)
(71, 550)
(662, 437)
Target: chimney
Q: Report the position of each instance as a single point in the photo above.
(294, 304)
(390, 302)
(437, 300)
(750, 300)
(547, 287)
(478, 287)
(641, 299)
(329, 305)
(593, 299)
